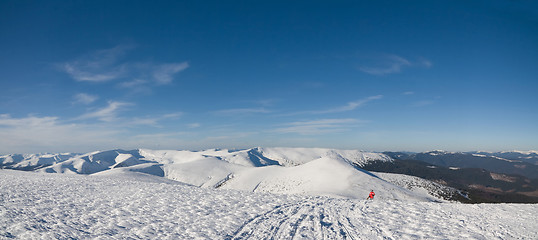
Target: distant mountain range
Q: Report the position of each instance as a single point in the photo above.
(435, 175)
(521, 163)
(311, 171)
(522, 156)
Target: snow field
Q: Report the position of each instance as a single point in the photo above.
(51, 206)
(137, 206)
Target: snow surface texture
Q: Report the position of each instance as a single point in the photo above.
(310, 171)
(141, 206)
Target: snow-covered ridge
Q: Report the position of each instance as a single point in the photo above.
(97, 161)
(310, 171)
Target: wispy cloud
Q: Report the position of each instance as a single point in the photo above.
(99, 66)
(194, 125)
(314, 127)
(106, 114)
(239, 111)
(133, 84)
(350, 106)
(107, 65)
(7, 121)
(408, 93)
(78, 73)
(423, 62)
(391, 64)
(43, 134)
(266, 102)
(153, 121)
(33, 134)
(84, 98)
(163, 74)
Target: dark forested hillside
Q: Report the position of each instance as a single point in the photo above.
(470, 160)
(479, 184)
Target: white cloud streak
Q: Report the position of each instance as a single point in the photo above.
(78, 73)
(163, 74)
(153, 121)
(33, 134)
(394, 64)
(84, 98)
(44, 134)
(315, 127)
(350, 105)
(100, 66)
(194, 125)
(106, 114)
(240, 111)
(7, 121)
(133, 84)
(106, 65)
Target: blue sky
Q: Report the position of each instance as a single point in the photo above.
(372, 75)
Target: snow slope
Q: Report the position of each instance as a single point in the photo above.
(311, 171)
(135, 205)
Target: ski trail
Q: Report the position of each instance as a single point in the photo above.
(302, 220)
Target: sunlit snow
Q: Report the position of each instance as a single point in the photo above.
(141, 206)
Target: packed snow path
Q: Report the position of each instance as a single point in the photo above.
(305, 219)
(351, 219)
(54, 206)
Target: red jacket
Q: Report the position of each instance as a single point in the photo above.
(372, 194)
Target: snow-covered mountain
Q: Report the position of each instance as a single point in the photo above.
(517, 156)
(311, 171)
(69, 206)
(32, 161)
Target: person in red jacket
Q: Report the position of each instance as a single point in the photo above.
(371, 196)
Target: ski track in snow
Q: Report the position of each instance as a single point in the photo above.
(352, 219)
(59, 206)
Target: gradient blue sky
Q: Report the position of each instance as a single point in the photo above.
(372, 75)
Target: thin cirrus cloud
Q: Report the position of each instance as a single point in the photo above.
(80, 73)
(350, 106)
(163, 74)
(98, 66)
(154, 121)
(240, 111)
(107, 65)
(7, 121)
(46, 133)
(391, 64)
(194, 125)
(315, 127)
(106, 114)
(84, 98)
